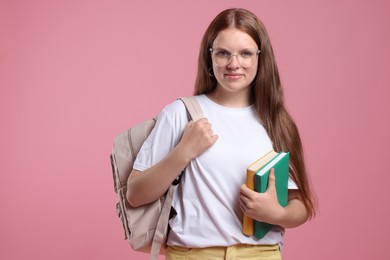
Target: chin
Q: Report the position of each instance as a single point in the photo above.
(236, 86)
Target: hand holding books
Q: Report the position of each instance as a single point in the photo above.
(267, 203)
(261, 206)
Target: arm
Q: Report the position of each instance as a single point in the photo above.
(149, 185)
(265, 206)
(294, 214)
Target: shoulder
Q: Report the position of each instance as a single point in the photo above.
(174, 112)
(175, 108)
(173, 115)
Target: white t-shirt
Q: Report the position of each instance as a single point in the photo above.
(207, 199)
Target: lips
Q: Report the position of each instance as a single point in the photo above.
(233, 75)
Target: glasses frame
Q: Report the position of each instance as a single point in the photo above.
(231, 56)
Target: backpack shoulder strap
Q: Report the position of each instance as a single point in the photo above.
(193, 108)
(195, 113)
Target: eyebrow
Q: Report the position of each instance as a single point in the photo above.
(243, 49)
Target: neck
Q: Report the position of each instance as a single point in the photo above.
(230, 99)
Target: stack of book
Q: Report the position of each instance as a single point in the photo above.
(257, 180)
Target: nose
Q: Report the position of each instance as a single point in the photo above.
(233, 62)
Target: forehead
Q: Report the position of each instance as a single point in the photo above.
(235, 39)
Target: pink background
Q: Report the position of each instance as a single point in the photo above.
(75, 73)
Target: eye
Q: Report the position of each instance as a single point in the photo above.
(247, 54)
(223, 53)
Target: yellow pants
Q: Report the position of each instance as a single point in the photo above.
(241, 251)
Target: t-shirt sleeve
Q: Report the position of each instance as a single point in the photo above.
(163, 138)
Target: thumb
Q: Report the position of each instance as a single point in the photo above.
(271, 180)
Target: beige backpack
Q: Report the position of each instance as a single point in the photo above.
(145, 226)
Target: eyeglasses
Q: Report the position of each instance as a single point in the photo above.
(246, 57)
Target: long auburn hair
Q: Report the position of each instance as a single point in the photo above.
(266, 93)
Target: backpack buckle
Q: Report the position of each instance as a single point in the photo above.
(178, 179)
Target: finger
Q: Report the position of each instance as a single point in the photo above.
(207, 127)
(203, 120)
(243, 205)
(203, 124)
(190, 124)
(245, 191)
(214, 139)
(271, 180)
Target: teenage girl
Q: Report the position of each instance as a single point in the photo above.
(239, 90)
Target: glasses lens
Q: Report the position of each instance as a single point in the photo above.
(245, 58)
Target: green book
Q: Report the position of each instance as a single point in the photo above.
(281, 165)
